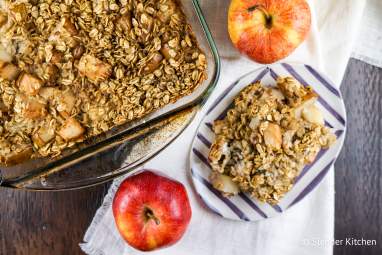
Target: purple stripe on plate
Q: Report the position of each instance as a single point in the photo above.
(206, 203)
(291, 71)
(323, 81)
(328, 124)
(211, 207)
(224, 112)
(201, 157)
(321, 153)
(273, 74)
(331, 110)
(313, 183)
(253, 205)
(277, 208)
(338, 133)
(248, 201)
(225, 200)
(225, 93)
(203, 140)
(209, 125)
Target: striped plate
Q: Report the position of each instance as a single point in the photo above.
(242, 207)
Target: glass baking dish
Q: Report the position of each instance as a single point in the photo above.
(126, 147)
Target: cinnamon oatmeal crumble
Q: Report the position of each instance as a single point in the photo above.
(72, 69)
(266, 139)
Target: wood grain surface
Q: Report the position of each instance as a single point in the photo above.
(358, 210)
(54, 223)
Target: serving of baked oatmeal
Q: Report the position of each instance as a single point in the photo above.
(266, 139)
(73, 69)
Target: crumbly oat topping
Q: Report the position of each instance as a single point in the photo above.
(72, 69)
(266, 139)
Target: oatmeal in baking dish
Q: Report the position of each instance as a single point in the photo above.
(266, 139)
(72, 69)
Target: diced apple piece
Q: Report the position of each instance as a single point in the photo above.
(5, 55)
(43, 136)
(272, 136)
(34, 109)
(56, 57)
(48, 93)
(3, 18)
(66, 103)
(9, 72)
(224, 184)
(2, 63)
(51, 73)
(124, 22)
(154, 62)
(167, 51)
(313, 115)
(71, 129)
(94, 69)
(29, 84)
(255, 122)
(20, 155)
(307, 103)
(68, 25)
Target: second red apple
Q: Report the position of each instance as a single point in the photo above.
(268, 30)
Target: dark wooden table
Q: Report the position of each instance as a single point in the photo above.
(54, 223)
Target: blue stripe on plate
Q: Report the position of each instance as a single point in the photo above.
(225, 200)
(313, 183)
(323, 81)
(224, 94)
(291, 71)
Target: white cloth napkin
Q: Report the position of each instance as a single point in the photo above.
(368, 45)
(327, 47)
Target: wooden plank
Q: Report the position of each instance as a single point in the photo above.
(45, 223)
(359, 167)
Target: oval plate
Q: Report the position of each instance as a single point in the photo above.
(243, 207)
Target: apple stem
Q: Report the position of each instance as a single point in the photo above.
(150, 216)
(267, 16)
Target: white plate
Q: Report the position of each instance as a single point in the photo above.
(242, 207)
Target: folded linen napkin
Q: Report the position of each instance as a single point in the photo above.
(368, 45)
(312, 218)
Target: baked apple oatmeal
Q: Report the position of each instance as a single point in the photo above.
(266, 139)
(73, 69)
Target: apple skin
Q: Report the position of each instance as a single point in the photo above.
(151, 211)
(268, 30)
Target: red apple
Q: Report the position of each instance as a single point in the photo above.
(268, 30)
(151, 211)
